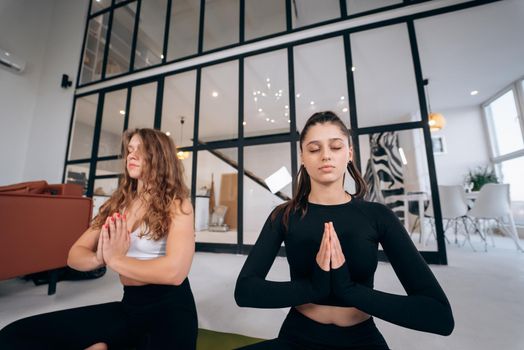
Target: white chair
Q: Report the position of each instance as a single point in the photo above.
(493, 203)
(453, 204)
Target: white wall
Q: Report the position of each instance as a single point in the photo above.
(35, 111)
(466, 142)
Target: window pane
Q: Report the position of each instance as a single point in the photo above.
(77, 174)
(258, 199)
(143, 102)
(150, 37)
(512, 174)
(385, 89)
(395, 168)
(266, 99)
(187, 162)
(306, 12)
(94, 49)
(356, 6)
(105, 187)
(110, 167)
(320, 80)
(219, 103)
(217, 196)
(183, 31)
(112, 123)
(505, 123)
(221, 26)
(121, 40)
(81, 142)
(264, 18)
(179, 102)
(98, 5)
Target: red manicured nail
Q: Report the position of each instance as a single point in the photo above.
(105, 225)
(112, 219)
(124, 216)
(117, 215)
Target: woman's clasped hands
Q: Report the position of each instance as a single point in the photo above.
(330, 255)
(114, 240)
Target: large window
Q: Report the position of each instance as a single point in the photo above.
(505, 122)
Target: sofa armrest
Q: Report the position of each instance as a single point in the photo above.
(37, 231)
(65, 189)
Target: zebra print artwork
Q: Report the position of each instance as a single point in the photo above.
(384, 173)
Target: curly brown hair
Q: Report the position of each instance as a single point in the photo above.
(163, 178)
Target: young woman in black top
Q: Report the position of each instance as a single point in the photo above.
(331, 240)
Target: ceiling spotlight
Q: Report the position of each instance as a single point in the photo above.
(168, 133)
(353, 68)
(267, 119)
(342, 97)
(244, 123)
(162, 56)
(289, 121)
(256, 99)
(344, 109)
(214, 94)
(272, 120)
(474, 92)
(268, 80)
(312, 103)
(260, 109)
(298, 95)
(286, 106)
(286, 114)
(264, 94)
(122, 112)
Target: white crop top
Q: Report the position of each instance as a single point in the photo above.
(145, 248)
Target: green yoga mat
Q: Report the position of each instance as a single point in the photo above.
(212, 340)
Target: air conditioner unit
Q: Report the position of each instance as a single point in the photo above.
(11, 62)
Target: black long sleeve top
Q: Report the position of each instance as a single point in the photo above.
(360, 227)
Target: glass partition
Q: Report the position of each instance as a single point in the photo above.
(266, 94)
(216, 203)
(94, 49)
(150, 36)
(81, 142)
(143, 103)
(121, 39)
(219, 103)
(183, 29)
(385, 85)
(320, 80)
(395, 168)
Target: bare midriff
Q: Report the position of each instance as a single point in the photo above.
(126, 281)
(337, 315)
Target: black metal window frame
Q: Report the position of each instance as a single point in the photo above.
(343, 16)
(432, 257)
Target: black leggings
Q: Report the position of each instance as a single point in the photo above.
(299, 332)
(148, 317)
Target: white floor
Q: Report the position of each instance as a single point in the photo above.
(485, 290)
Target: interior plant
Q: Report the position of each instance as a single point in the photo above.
(481, 176)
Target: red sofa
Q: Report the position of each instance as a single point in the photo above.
(38, 225)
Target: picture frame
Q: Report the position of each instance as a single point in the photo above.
(439, 144)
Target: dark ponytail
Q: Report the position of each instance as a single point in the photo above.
(303, 184)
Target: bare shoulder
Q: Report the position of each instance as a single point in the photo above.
(181, 206)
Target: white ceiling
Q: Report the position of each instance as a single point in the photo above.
(480, 48)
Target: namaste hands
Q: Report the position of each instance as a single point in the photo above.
(330, 255)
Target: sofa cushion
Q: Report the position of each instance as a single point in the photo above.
(31, 187)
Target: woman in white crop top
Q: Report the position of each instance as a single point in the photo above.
(145, 233)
